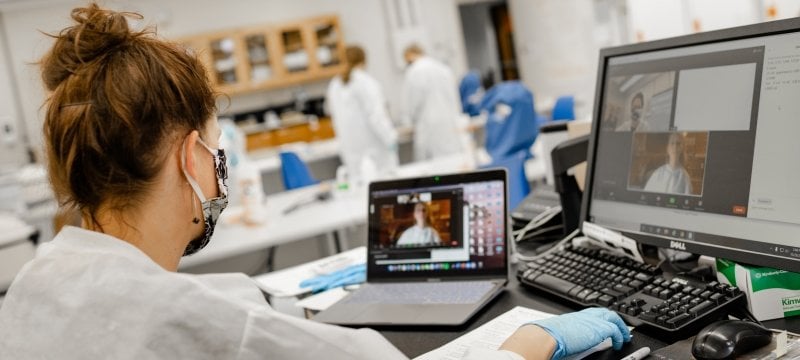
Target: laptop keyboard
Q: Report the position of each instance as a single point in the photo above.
(452, 292)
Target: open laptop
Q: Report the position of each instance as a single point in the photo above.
(437, 251)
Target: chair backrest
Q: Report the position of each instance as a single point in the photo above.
(294, 172)
(518, 187)
(511, 131)
(564, 109)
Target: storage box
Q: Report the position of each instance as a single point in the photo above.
(771, 293)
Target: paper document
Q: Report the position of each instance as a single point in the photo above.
(286, 282)
(492, 334)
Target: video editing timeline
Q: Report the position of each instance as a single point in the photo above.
(697, 144)
(465, 222)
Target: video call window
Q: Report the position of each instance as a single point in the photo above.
(670, 126)
(421, 224)
(418, 220)
(639, 102)
(668, 163)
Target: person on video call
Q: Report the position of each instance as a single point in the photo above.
(131, 135)
(635, 122)
(421, 233)
(671, 177)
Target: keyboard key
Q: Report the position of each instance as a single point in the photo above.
(636, 284)
(611, 292)
(679, 320)
(574, 291)
(583, 294)
(605, 300)
(718, 298)
(701, 308)
(591, 298)
(623, 289)
(553, 283)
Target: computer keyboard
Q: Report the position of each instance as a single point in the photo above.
(670, 307)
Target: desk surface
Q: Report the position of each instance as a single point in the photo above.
(417, 341)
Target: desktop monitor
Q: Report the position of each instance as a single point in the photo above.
(696, 144)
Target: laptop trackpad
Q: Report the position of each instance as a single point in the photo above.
(389, 314)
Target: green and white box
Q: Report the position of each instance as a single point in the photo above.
(771, 293)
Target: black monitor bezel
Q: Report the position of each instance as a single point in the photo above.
(738, 33)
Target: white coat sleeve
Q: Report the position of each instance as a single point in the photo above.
(329, 98)
(374, 104)
(279, 336)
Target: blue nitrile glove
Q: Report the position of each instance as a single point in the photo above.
(580, 331)
(354, 274)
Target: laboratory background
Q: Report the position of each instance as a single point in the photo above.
(319, 98)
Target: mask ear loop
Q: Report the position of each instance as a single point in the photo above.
(194, 209)
(195, 187)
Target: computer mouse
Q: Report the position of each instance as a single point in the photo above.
(727, 339)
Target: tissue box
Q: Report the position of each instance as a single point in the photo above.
(771, 293)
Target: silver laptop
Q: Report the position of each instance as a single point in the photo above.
(437, 251)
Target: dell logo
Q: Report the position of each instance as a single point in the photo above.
(677, 245)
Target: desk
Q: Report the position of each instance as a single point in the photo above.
(342, 211)
(417, 341)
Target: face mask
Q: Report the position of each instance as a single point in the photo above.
(212, 208)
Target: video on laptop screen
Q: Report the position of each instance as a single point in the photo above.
(446, 228)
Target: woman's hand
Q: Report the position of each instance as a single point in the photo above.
(577, 332)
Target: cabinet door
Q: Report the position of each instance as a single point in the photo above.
(328, 47)
(259, 67)
(295, 57)
(226, 62)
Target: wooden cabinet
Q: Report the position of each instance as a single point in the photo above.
(306, 132)
(271, 56)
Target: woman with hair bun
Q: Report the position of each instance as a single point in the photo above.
(132, 145)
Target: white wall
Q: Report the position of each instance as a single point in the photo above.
(363, 23)
(556, 49)
(12, 151)
(480, 38)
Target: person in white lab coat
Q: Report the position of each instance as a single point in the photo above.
(671, 178)
(360, 120)
(139, 161)
(422, 232)
(432, 106)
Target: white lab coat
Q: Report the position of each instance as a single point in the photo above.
(669, 180)
(88, 295)
(362, 124)
(433, 107)
(419, 235)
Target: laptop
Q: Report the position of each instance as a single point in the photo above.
(437, 251)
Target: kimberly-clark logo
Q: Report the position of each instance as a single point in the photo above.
(776, 272)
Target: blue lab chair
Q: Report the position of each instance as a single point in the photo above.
(564, 109)
(508, 134)
(467, 89)
(518, 187)
(294, 171)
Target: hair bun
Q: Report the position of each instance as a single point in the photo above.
(97, 32)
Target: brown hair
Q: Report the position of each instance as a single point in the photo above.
(354, 56)
(413, 49)
(117, 96)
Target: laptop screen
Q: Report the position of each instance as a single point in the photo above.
(439, 226)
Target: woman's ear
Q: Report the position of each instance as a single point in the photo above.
(189, 144)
